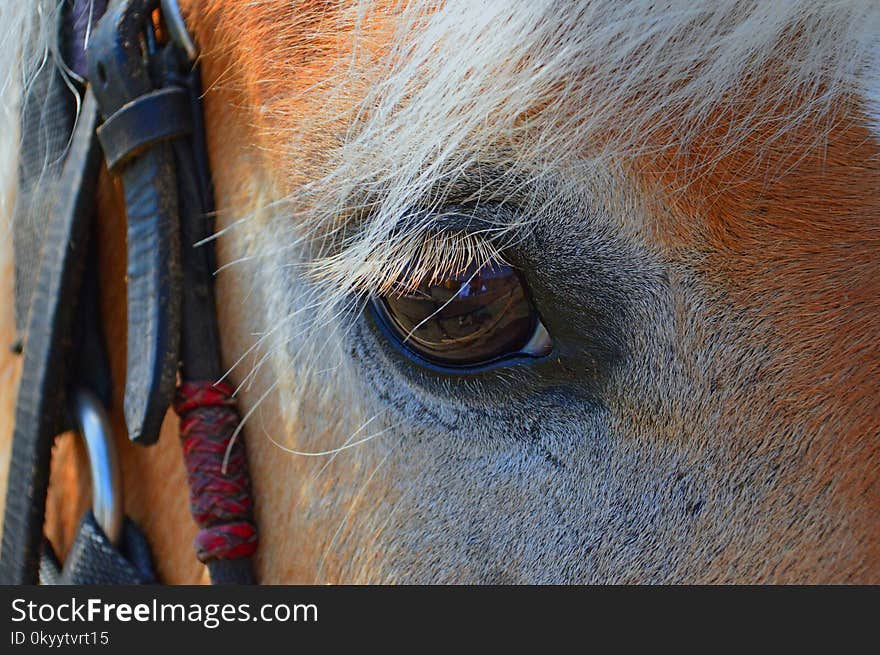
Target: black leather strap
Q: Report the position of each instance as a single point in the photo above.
(39, 411)
(59, 324)
(142, 123)
(154, 138)
(200, 332)
(119, 74)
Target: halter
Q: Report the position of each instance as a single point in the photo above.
(138, 97)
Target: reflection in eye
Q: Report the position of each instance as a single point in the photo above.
(480, 316)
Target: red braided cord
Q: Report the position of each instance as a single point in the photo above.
(221, 503)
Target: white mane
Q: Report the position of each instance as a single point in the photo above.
(25, 38)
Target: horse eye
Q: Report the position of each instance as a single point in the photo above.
(480, 316)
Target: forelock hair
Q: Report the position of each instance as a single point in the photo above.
(532, 90)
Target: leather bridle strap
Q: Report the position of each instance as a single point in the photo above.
(149, 95)
(153, 138)
(120, 76)
(43, 388)
(57, 317)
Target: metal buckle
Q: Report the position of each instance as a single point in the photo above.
(177, 29)
(94, 426)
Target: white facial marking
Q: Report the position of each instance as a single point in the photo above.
(872, 92)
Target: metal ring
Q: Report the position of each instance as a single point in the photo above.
(177, 29)
(103, 463)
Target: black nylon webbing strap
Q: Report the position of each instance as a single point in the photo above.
(94, 560)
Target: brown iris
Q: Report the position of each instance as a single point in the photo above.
(477, 317)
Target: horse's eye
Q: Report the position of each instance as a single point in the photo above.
(478, 317)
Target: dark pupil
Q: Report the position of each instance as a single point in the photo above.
(476, 317)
